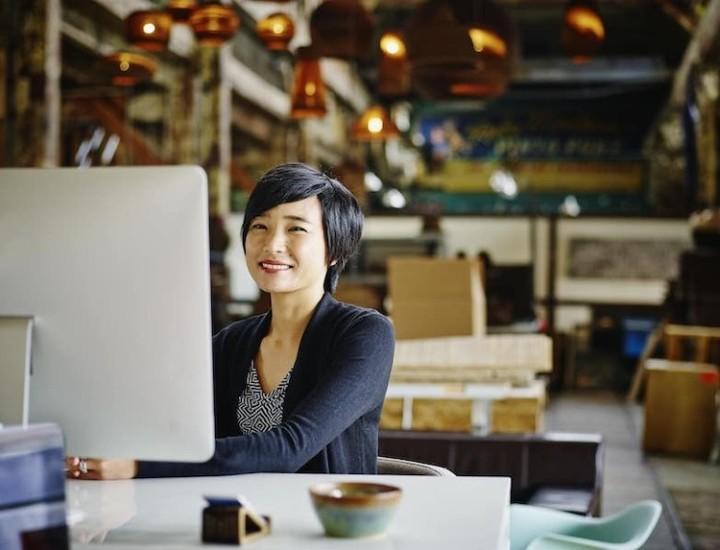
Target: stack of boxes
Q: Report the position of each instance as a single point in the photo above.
(448, 374)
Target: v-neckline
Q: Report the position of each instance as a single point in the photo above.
(265, 394)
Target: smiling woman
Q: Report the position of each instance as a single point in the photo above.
(299, 388)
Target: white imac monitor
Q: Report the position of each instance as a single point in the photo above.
(112, 266)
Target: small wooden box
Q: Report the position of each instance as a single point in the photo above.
(232, 525)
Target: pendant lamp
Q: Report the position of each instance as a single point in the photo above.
(460, 48)
(341, 29)
(393, 67)
(583, 30)
(213, 24)
(276, 31)
(181, 10)
(374, 125)
(308, 91)
(129, 68)
(148, 29)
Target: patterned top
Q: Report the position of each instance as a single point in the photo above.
(258, 411)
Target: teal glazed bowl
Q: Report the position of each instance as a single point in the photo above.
(355, 509)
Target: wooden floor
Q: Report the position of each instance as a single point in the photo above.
(629, 476)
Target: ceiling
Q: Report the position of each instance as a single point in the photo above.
(644, 42)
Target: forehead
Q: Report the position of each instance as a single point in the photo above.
(308, 209)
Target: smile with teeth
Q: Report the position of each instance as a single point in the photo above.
(267, 266)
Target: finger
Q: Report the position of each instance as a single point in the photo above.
(94, 464)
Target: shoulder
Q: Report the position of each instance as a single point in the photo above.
(342, 317)
(346, 328)
(239, 330)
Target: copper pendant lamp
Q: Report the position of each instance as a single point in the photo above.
(583, 30)
(181, 10)
(374, 124)
(393, 67)
(308, 91)
(460, 48)
(341, 29)
(148, 29)
(129, 68)
(276, 31)
(214, 24)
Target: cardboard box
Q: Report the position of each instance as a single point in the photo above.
(517, 415)
(451, 415)
(432, 297)
(680, 409)
(359, 294)
(392, 414)
(436, 319)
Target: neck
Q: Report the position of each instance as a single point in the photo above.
(291, 312)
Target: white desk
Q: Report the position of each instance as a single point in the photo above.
(435, 512)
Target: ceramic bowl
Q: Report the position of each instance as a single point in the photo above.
(355, 509)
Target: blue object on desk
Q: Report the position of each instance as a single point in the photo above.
(32, 488)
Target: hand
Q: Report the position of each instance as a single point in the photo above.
(99, 468)
(96, 509)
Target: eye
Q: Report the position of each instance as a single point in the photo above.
(258, 225)
(296, 228)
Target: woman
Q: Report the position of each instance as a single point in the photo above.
(300, 388)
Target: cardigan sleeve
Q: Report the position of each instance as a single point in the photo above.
(354, 384)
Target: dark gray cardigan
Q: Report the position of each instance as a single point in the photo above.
(332, 405)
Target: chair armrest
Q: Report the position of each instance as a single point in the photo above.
(566, 542)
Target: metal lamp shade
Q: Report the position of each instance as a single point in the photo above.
(181, 10)
(214, 24)
(583, 30)
(308, 91)
(374, 125)
(459, 48)
(342, 29)
(276, 31)
(129, 68)
(148, 29)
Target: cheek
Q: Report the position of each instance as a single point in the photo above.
(251, 248)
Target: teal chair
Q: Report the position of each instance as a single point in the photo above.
(537, 528)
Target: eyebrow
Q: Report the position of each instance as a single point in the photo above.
(288, 217)
(298, 219)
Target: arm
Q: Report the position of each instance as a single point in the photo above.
(354, 384)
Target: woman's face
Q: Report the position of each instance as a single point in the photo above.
(285, 248)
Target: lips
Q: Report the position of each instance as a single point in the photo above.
(272, 266)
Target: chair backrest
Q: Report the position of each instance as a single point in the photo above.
(535, 528)
(398, 466)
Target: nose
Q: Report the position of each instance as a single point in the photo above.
(275, 241)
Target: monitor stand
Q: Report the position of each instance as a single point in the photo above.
(15, 346)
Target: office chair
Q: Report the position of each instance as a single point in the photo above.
(398, 466)
(537, 528)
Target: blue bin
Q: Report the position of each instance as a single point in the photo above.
(636, 331)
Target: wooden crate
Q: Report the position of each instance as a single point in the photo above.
(463, 359)
(457, 407)
(452, 415)
(392, 414)
(680, 409)
(517, 415)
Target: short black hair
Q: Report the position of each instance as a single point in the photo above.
(341, 214)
